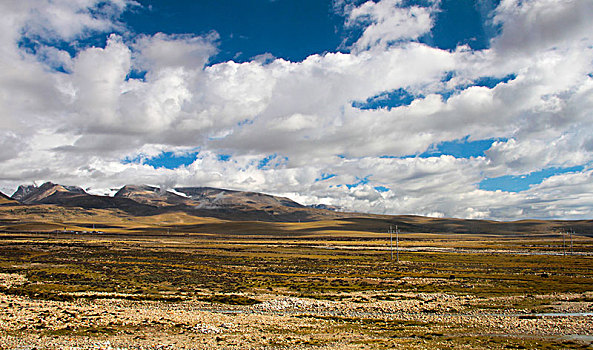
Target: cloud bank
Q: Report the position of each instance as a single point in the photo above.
(90, 115)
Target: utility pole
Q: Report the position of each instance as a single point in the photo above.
(391, 240)
(564, 242)
(571, 234)
(397, 241)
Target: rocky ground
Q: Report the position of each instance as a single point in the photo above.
(416, 321)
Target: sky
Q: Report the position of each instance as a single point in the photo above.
(454, 108)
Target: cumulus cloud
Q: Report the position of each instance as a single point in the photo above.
(75, 117)
(531, 26)
(162, 51)
(387, 22)
(68, 20)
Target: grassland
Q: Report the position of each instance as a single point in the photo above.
(184, 282)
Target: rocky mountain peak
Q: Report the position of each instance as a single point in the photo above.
(23, 191)
(31, 193)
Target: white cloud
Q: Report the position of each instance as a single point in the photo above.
(162, 51)
(98, 77)
(11, 145)
(74, 119)
(387, 22)
(68, 20)
(532, 26)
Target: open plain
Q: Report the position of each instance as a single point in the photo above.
(98, 279)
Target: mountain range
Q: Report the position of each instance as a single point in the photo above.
(197, 201)
(242, 211)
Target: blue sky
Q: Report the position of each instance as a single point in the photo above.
(460, 108)
(288, 29)
(518, 183)
(294, 30)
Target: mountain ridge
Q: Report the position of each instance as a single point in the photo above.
(33, 194)
(245, 211)
(197, 201)
(6, 200)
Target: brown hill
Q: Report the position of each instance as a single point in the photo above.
(153, 196)
(196, 201)
(4, 199)
(223, 203)
(23, 191)
(254, 212)
(72, 196)
(214, 198)
(41, 194)
(420, 224)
